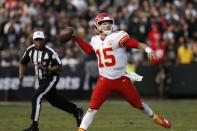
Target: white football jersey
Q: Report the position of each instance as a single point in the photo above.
(111, 56)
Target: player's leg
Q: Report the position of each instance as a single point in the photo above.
(44, 87)
(60, 102)
(36, 107)
(157, 119)
(99, 95)
(130, 93)
(87, 119)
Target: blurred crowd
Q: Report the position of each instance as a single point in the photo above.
(169, 27)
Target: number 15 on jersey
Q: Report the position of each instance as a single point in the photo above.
(105, 59)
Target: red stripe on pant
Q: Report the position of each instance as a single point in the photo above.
(122, 86)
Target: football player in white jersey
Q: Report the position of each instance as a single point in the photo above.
(109, 47)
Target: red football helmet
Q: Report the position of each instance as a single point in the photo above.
(101, 18)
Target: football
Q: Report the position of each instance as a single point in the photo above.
(66, 34)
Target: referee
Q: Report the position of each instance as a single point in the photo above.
(46, 64)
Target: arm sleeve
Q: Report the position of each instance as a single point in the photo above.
(84, 45)
(130, 43)
(25, 59)
(55, 59)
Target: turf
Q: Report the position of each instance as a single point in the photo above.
(113, 116)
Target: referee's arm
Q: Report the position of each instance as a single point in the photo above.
(55, 68)
(23, 65)
(56, 63)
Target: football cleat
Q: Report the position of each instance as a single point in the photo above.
(162, 121)
(78, 116)
(80, 129)
(31, 129)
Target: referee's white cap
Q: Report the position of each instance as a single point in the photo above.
(38, 34)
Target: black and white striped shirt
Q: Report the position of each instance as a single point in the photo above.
(47, 57)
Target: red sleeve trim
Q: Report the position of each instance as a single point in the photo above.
(122, 40)
(131, 43)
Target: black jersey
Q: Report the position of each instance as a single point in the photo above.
(47, 57)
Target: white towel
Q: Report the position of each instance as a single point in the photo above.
(134, 76)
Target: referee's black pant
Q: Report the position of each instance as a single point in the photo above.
(47, 89)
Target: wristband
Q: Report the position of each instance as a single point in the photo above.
(148, 50)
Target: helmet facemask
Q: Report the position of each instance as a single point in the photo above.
(104, 24)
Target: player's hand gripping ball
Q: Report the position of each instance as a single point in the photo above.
(66, 34)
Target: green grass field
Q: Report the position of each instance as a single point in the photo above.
(113, 116)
